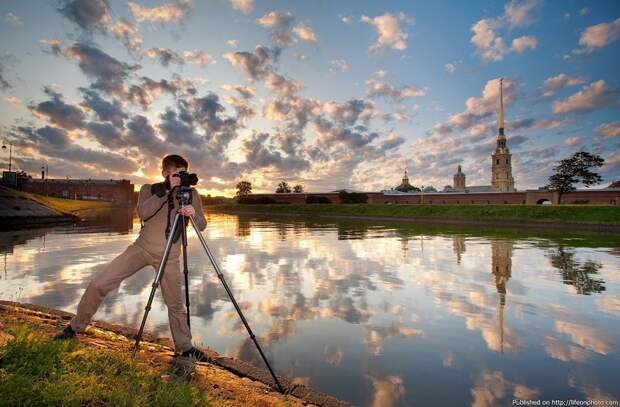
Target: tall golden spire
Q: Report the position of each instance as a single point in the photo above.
(501, 108)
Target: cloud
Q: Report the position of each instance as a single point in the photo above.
(490, 45)
(58, 112)
(598, 36)
(169, 12)
(539, 123)
(391, 35)
(588, 99)
(305, 32)
(4, 84)
(350, 112)
(519, 14)
(449, 68)
(145, 93)
(573, 141)
(339, 65)
(53, 136)
(555, 83)
(198, 57)
(244, 6)
(108, 73)
(254, 64)
(487, 104)
(345, 19)
(87, 14)
(165, 56)
(127, 34)
(588, 337)
(282, 39)
(232, 43)
(276, 19)
(14, 100)
(13, 19)
(54, 45)
(106, 111)
(143, 136)
(519, 45)
(376, 88)
(247, 92)
(607, 131)
(492, 388)
(106, 134)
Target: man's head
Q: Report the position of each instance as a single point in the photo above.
(173, 164)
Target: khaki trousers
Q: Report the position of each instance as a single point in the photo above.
(125, 265)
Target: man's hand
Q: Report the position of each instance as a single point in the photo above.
(187, 210)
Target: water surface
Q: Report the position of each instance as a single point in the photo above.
(372, 313)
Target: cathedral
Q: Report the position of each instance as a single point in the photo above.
(501, 167)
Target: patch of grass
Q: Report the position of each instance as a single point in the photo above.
(596, 214)
(36, 371)
(70, 206)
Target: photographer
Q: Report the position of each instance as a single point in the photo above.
(156, 209)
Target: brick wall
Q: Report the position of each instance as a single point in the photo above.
(530, 197)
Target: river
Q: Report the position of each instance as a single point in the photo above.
(373, 313)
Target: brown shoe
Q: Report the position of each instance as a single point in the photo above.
(195, 354)
(67, 333)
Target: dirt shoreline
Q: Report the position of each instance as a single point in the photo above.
(591, 227)
(234, 379)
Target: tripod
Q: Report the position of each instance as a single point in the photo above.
(184, 195)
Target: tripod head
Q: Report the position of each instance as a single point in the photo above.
(184, 195)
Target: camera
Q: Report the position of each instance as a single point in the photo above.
(187, 179)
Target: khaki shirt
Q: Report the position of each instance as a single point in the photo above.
(152, 236)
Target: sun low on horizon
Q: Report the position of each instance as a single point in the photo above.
(325, 94)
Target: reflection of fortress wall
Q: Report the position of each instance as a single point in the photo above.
(501, 266)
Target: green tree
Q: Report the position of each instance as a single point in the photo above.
(298, 189)
(283, 188)
(573, 170)
(244, 188)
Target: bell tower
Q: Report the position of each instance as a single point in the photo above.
(501, 166)
(459, 180)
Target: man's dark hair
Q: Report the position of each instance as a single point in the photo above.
(174, 160)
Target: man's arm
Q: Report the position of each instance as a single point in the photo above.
(148, 204)
(201, 222)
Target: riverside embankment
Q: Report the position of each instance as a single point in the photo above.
(570, 217)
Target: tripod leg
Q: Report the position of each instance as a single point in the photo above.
(185, 270)
(232, 299)
(158, 276)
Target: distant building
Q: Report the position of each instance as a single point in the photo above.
(614, 185)
(405, 186)
(118, 191)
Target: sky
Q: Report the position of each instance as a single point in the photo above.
(326, 94)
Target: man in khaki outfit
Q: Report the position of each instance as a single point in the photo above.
(157, 208)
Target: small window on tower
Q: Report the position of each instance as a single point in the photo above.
(498, 161)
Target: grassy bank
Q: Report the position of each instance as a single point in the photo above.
(69, 206)
(590, 214)
(35, 370)
(96, 368)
